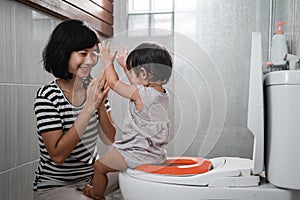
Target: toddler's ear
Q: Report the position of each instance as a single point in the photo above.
(143, 74)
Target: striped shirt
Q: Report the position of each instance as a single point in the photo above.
(54, 112)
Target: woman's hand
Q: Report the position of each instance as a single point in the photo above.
(106, 56)
(96, 92)
(102, 91)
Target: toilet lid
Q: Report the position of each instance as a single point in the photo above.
(178, 166)
(284, 77)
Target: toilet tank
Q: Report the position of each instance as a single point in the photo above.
(282, 135)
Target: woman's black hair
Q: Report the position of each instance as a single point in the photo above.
(68, 36)
(154, 58)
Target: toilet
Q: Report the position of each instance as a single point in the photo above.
(195, 178)
(282, 89)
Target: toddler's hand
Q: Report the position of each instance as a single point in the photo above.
(106, 56)
(122, 56)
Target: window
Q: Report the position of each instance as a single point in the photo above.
(150, 17)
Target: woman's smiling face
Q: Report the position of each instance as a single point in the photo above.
(81, 62)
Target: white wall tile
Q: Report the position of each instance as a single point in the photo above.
(8, 117)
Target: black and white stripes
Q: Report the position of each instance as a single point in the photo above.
(54, 112)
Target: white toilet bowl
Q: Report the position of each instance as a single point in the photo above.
(230, 178)
(143, 186)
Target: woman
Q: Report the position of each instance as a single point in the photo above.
(71, 112)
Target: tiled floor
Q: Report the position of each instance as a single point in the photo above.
(115, 196)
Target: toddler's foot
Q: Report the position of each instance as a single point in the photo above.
(88, 191)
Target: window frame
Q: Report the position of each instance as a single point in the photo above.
(150, 13)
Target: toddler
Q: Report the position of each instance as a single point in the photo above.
(145, 132)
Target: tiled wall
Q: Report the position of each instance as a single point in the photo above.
(222, 29)
(23, 34)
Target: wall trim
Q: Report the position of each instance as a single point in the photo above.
(98, 13)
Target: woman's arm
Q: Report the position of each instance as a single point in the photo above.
(107, 135)
(59, 145)
(107, 126)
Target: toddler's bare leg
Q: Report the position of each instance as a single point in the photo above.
(112, 161)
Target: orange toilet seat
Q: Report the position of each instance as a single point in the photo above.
(178, 166)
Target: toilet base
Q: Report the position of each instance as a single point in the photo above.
(137, 189)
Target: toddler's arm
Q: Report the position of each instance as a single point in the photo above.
(126, 90)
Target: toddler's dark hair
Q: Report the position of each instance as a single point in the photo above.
(154, 58)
